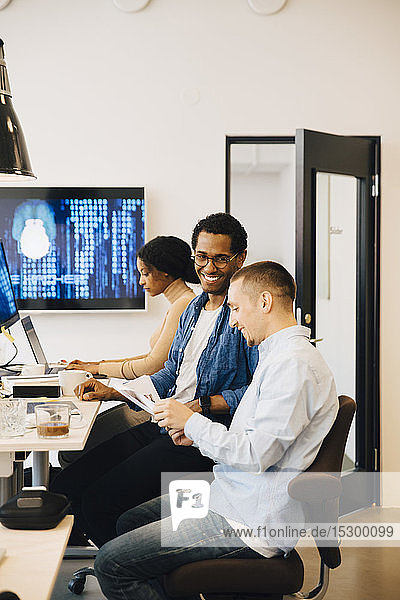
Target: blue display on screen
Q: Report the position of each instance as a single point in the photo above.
(73, 247)
(8, 308)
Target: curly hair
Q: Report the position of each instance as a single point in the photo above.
(171, 255)
(225, 224)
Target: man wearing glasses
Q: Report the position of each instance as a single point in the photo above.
(209, 368)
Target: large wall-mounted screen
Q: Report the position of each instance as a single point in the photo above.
(73, 248)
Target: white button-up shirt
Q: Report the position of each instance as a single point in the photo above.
(276, 431)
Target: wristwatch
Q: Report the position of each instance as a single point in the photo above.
(205, 405)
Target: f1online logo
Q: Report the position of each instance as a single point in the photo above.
(189, 499)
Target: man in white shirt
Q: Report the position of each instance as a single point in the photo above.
(277, 430)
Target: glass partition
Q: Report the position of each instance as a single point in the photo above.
(336, 238)
(262, 197)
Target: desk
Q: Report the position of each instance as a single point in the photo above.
(33, 559)
(30, 441)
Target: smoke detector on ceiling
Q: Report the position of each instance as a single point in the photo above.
(266, 7)
(131, 5)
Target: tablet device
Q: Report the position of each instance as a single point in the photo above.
(30, 406)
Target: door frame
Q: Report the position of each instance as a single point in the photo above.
(318, 152)
(368, 443)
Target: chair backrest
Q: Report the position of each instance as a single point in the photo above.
(329, 460)
(330, 456)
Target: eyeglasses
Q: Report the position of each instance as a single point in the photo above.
(219, 262)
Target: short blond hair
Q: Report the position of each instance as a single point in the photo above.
(267, 276)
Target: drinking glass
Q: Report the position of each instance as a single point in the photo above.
(12, 417)
(52, 420)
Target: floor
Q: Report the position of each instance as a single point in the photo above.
(366, 573)
(92, 590)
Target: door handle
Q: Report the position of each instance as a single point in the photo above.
(315, 340)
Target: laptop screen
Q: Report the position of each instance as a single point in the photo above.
(34, 343)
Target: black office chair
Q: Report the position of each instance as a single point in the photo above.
(271, 578)
(278, 578)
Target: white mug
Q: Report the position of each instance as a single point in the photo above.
(35, 369)
(69, 379)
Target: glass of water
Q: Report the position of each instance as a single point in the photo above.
(12, 417)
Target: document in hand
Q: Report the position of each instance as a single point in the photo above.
(141, 391)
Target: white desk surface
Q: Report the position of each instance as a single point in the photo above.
(75, 441)
(33, 559)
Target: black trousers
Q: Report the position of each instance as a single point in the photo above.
(122, 473)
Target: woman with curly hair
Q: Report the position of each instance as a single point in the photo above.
(164, 265)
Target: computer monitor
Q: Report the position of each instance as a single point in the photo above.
(8, 307)
(73, 248)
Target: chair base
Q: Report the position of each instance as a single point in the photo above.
(76, 584)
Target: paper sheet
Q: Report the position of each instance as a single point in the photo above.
(141, 391)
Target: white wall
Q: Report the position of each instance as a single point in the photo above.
(105, 98)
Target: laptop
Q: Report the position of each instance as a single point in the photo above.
(37, 348)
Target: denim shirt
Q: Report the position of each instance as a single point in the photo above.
(226, 365)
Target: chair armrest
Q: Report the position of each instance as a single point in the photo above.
(315, 487)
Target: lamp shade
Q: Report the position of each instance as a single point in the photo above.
(14, 157)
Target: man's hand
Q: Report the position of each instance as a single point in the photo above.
(95, 391)
(171, 413)
(92, 367)
(218, 405)
(179, 438)
(194, 405)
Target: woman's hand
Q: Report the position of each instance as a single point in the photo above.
(92, 367)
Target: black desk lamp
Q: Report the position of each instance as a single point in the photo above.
(14, 158)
